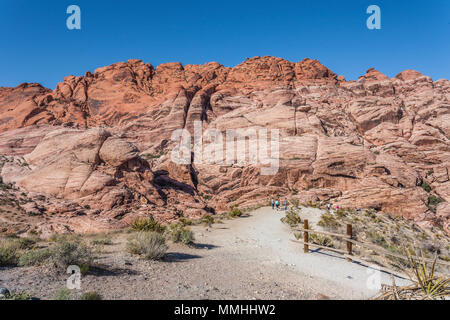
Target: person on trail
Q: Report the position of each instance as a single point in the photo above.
(273, 204)
(277, 203)
(285, 204)
(329, 206)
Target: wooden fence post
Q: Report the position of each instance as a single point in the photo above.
(305, 236)
(349, 244)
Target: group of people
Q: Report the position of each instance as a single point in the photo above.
(276, 203)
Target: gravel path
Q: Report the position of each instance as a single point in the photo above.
(246, 258)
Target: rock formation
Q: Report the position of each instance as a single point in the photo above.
(103, 140)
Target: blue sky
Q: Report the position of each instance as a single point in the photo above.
(36, 46)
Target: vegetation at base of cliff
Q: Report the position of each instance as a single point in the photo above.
(178, 233)
(148, 245)
(147, 224)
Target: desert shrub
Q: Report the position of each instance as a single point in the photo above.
(62, 294)
(21, 242)
(186, 236)
(102, 242)
(20, 295)
(34, 257)
(426, 186)
(425, 284)
(341, 213)
(63, 237)
(208, 220)
(377, 238)
(235, 212)
(178, 233)
(9, 251)
(185, 222)
(148, 224)
(321, 240)
(92, 295)
(71, 252)
(149, 245)
(327, 220)
(291, 218)
(433, 200)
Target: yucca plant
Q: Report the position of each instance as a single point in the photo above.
(426, 285)
(432, 287)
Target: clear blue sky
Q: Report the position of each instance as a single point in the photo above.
(36, 46)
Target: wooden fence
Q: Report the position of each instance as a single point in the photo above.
(348, 253)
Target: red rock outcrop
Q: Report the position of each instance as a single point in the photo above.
(376, 142)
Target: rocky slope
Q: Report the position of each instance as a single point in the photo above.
(102, 141)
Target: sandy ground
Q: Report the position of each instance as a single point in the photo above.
(246, 258)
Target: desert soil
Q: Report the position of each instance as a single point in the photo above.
(245, 258)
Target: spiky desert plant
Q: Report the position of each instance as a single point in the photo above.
(426, 285)
(432, 287)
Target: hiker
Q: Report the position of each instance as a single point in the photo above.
(273, 204)
(277, 203)
(329, 206)
(285, 204)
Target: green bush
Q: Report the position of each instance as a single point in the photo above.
(102, 242)
(149, 224)
(178, 233)
(426, 186)
(235, 212)
(8, 253)
(71, 252)
(341, 213)
(433, 200)
(208, 220)
(34, 257)
(92, 295)
(62, 294)
(149, 245)
(185, 222)
(21, 295)
(321, 240)
(291, 218)
(327, 220)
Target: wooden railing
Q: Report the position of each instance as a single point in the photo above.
(349, 254)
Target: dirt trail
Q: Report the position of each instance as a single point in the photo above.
(245, 258)
(262, 238)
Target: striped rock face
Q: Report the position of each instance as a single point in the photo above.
(103, 141)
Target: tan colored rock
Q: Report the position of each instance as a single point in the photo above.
(365, 143)
(116, 152)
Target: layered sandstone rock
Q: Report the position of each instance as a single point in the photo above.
(368, 143)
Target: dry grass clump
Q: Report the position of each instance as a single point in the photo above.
(149, 245)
